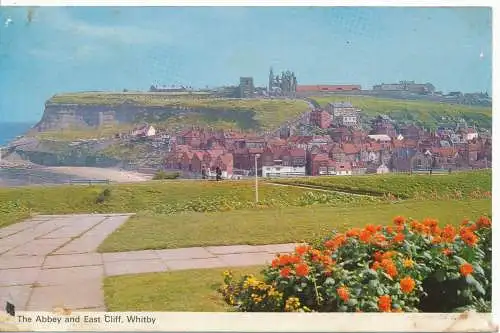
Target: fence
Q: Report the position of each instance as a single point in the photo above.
(89, 181)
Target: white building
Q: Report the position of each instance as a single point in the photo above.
(382, 169)
(283, 171)
(380, 137)
(472, 134)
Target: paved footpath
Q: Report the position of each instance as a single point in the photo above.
(51, 261)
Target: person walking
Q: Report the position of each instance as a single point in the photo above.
(203, 173)
(218, 173)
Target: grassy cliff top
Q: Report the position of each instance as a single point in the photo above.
(269, 113)
(427, 113)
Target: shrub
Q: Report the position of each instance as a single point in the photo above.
(160, 175)
(103, 196)
(411, 266)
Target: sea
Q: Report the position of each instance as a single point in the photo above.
(9, 131)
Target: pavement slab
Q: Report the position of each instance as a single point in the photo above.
(80, 295)
(17, 295)
(134, 267)
(72, 260)
(231, 249)
(9, 262)
(19, 276)
(246, 259)
(90, 241)
(176, 265)
(186, 253)
(60, 276)
(51, 261)
(41, 247)
(130, 255)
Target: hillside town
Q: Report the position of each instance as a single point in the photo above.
(345, 149)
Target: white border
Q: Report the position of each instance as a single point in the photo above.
(303, 3)
(320, 322)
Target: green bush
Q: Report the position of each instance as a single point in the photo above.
(103, 196)
(161, 175)
(409, 267)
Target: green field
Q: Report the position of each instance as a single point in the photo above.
(426, 113)
(175, 214)
(195, 290)
(155, 197)
(267, 113)
(402, 185)
(276, 225)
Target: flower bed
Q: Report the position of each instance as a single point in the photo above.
(410, 266)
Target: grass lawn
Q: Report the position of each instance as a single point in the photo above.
(189, 290)
(426, 112)
(269, 113)
(401, 185)
(155, 197)
(275, 225)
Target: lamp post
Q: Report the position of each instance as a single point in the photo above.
(256, 180)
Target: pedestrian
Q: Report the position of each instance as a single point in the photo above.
(449, 171)
(218, 173)
(203, 173)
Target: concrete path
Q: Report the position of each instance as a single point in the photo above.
(51, 261)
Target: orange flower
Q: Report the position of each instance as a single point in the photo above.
(469, 238)
(379, 239)
(331, 244)
(302, 270)
(354, 232)
(376, 265)
(389, 254)
(391, 270)
(371, 228)
(436, 240)
(483, 222)
(302, 249)
(447, 252)
(389, 267)
(365, 236)
(294, 259)
(284, 260)
(400, 228)
(466, 269)
(343, 293)
(316, 255)
(275, 263)
(436, 230)
(399, 238)
(449, 233)
(407, 284)
(378, 256)
(384, 303)
(425, 229)
(399, 220)
(285, 272)
(389, 229)
(430, 223)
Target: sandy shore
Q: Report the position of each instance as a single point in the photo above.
(114, 175)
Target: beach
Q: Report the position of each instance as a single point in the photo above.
(14, 176)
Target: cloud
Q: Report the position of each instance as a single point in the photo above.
(70, 39)
(61, 20)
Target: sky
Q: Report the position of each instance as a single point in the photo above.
(50, 50)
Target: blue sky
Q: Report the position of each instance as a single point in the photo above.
(62, 49)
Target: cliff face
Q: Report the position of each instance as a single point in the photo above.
(58, 116)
